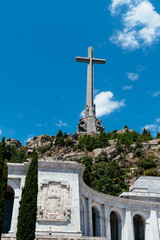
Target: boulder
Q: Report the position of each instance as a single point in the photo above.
(40, 141)
(124, 130)
(73, 155)
(154, 144)
(13, 142)
(111, 152)
(97, 152)
(113, 142)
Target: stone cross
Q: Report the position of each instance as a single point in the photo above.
(89, 123)
(90, 82)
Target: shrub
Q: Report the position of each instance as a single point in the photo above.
(44, 148)
(69, 142)
(17, 155)
(147, 163)
(138, 152)
(151, 172)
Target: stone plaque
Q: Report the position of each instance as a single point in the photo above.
(54, 202)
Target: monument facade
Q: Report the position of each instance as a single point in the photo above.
(75, 211)
(89, 123)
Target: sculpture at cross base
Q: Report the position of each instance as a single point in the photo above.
(89, 123)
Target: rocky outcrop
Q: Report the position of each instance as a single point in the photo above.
(154, 144)
(40, 141)
(13, 142)
(125, 130)
(73, 155)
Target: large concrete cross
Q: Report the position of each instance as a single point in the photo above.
(90, 82)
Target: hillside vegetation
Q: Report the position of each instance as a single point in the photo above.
(112, 160)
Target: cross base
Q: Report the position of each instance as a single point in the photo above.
(89, 124)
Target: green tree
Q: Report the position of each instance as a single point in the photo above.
(59, 134)
(3, 181)
(28, 203)
(146, 135)
(158, 135)
(108, 177)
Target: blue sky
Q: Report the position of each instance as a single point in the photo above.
(43, 89)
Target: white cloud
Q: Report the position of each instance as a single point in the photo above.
(141, 24)
(127, 87)
(101, 44)
(82, 114)
(61, 124)
(154, 127)
(151, 127)
(96, 91)
(105, 103)
(117, 4)
(133, 76)
(30, 136)
(0, 132)
(156, 94)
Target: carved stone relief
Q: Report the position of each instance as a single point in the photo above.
(54, 202)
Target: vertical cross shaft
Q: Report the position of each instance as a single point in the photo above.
(90, 82)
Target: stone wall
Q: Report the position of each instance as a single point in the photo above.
(7, 237)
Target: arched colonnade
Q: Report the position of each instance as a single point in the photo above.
(114, 223)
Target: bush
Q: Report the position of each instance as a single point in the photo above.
(75, 136)
(151, 172)
(44, 149)
(17, 155)
(147, 163)
(138, 152)
(69, 142)
(60, 142)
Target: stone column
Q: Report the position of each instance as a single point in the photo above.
(17, 198)
(127, 229)
(90, 217)
(14, 215)
(102, 220)
(107, 222)
(152, 228)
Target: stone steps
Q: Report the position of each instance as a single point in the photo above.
(47, 237)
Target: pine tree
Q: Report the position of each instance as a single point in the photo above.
(3, 181)
(28, 203)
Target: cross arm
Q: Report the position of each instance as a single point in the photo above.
(98, 61)
(82, 59)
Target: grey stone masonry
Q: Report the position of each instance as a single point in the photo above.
(54, 237)
(90, 123)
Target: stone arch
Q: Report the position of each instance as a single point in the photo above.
(139, 226)
(10, 193)
(96, 226)
(115, 225)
